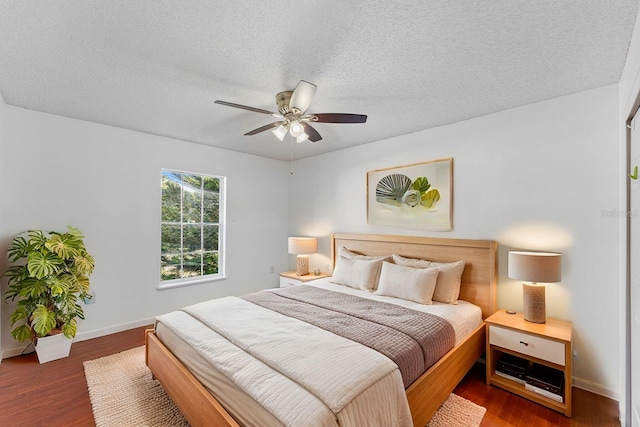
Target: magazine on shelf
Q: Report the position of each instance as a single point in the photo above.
(545, 393)
(510, 377)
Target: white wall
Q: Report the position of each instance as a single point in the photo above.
(106, 181)
(540, 177)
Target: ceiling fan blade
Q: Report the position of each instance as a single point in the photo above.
(340, 118)
(244, 107)
(314, 136)
(263, 128)
(302, 96)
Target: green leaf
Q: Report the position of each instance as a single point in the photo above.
(84, 263)
(75, 232)
(17, 249)
(41, 265)
(82, 283)
(44, 320)
(79, 312)
(17, 273)
(21, 333)
(37, 239)
(32, 287)
(65, 280)
(69, 329)
(56, 289)
(21, 312)
(65, 246)
(421, 184)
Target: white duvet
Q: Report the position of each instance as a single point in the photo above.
(301, 374)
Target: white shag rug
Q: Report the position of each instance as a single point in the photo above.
(123, 394)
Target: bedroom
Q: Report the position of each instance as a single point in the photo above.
(547, 149)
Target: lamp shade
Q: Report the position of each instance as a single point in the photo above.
(536, 267)
(303, 245)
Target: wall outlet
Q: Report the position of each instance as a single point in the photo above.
(272, 270)
(574, 354)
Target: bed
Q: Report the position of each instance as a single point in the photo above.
(423, 396)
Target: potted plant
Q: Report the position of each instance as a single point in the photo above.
(51, 273)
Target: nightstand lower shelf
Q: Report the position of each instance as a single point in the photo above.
(536, 347)
(519, 389)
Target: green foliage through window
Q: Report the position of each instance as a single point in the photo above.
(191, 225)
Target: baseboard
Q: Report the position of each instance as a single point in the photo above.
(83, 336)
(596, 388)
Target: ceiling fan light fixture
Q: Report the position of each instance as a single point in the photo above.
(302, 137)
(296, 129)
(280, 132)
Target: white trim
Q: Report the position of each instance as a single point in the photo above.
(177, 283)
(596, 388)
(83, 336)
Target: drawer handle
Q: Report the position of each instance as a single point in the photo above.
(525, 343)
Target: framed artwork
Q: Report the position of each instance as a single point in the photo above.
(417, 196)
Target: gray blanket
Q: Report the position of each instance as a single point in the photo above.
(412, 339)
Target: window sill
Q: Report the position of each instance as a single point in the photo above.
(178, 283)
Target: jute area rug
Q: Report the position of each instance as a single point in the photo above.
(123, 394)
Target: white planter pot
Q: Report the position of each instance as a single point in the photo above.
(53, 347)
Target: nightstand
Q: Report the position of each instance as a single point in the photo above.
(548, 344)
(290, 278)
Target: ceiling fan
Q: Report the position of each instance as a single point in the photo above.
(292, 106)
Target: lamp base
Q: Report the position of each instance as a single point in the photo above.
(302, 265)
(534, 303)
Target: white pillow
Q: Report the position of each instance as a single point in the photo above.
(448, 282)
(413, 284)
(357, 273)
(346, 253)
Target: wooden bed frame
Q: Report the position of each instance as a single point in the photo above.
(428, 392)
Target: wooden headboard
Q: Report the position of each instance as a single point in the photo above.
(478, 279)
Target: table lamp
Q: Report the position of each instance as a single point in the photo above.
(534, 267)
(302, 246)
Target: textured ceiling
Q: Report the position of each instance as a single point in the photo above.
(156, 66)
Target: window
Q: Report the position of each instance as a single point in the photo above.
(192, 227)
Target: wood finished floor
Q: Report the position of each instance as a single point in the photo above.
(55, 393)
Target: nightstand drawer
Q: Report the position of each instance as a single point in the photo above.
(285, 282)
(531, 345)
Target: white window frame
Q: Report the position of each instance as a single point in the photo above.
(220, 275)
